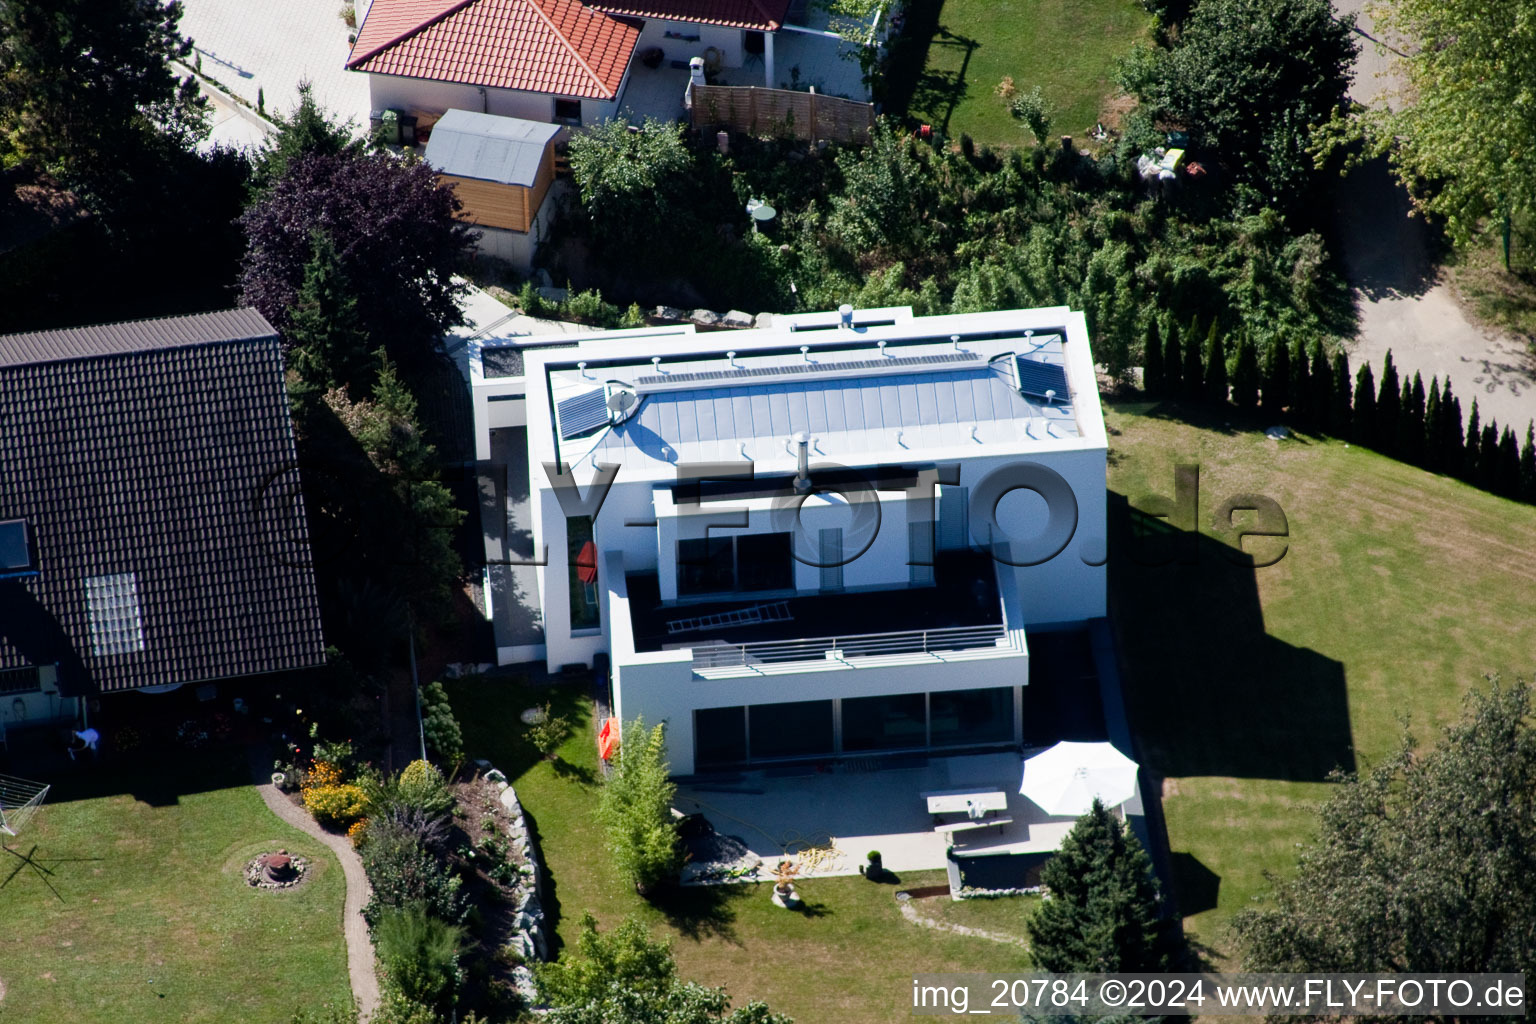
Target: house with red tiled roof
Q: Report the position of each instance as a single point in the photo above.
(560, 61)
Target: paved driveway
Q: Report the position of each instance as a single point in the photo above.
(272, 46)
(1403, 300)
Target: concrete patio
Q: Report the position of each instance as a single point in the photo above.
(860, 806)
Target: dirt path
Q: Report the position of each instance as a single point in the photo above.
(909, 911)
(365, 982)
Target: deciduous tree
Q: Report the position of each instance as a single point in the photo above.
(635, 807)
(1422, 863)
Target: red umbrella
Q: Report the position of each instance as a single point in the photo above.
(586, 563)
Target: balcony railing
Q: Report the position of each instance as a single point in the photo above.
(777, 656)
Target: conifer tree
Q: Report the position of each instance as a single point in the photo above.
(1215, 367)
(1452, 454)
(1410, 424)
(1507, 478)
(1301, 383)
(1277, 377)
(1474, 443)
(1528, 466)
(1173, 362)
(1321, 374)
(1388, 404)
(1339, 409)
(1488, 457)
(1363, 425)
(1103, 910)
(1194, 365)
(1152, 360)
(1432, 426)
(328, 345)
(1245, 374)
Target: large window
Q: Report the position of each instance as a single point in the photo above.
(966, 717)
(797, 729)
(581, 564)
(884, 723)
(719, 738)
(717, 565)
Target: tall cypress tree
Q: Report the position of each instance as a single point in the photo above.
(1103, 910)
(1432, 426)
(1528, 466)
(1488, 457)
(1410, 426)
(1363, 427)
(1452, 454)
(1388, 404)
(1245, 374)
(1173, 362)
(1152, 360)
(1277, 377)
(1321, 374)
(1215, 367)
(1473, 446)
(1194, 365)
(1507, 476)
(1339, 407)
(1301, 382)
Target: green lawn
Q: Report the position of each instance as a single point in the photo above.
(848, 959)
(1066, 47)
(156, 922)
(1398, 591)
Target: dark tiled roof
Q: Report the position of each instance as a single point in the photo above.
(160, 451)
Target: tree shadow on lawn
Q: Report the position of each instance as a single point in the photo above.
(1208, 690)
(911, 88)
(1195, 886)
(702, 911)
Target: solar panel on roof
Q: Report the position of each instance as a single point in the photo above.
(15, 552)
(1036, 378)
(585, 412)
(799, 369)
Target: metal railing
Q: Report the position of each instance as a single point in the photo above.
(931, 642)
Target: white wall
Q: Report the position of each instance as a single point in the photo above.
(399, 92)
(37, 707)
(726, 40)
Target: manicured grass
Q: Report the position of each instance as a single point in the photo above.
(1398, 591)
(848, 958)
(1066, 47)
(156, 922)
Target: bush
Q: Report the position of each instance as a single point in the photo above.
(626, 956)
(445, 741)
(1030, 107)
(420, 955)
(405, 873)
(335, 807)
(636, 809)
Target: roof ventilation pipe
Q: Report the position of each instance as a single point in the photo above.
(803, 470)
(845, 313)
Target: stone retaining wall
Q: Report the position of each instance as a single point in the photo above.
(529, 937)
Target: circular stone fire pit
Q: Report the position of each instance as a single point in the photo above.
(277, 870)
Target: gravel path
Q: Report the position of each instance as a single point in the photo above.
(909, 912)
(365, 982)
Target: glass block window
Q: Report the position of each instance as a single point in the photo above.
(112, 603)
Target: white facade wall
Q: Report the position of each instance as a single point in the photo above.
(45, 705)
(402, 93)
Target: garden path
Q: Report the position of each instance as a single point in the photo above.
(365, 981)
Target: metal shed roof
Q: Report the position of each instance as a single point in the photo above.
(506, 150)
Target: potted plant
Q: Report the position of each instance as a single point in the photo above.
(784, 894)
(876, 869)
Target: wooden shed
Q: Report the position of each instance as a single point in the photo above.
(501, 167)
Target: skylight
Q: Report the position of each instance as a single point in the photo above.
(112, 602)
(15, 549)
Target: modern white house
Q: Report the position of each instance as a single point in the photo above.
(824, 539)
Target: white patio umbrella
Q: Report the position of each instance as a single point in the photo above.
(1066, 778)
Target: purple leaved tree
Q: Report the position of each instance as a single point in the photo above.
(394, 233)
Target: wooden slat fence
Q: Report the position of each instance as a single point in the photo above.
(782, 113)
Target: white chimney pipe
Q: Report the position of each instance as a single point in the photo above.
(582, 366)
(732, 357)
(846, 312)
(882, 348)
(805, 352)
(656, 363)
(803, 471)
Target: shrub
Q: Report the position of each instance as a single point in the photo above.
(547, 733)
(1030, 107)
(404, 873)
(420, 954)
(335, 807)
(636, 809)
(626, 956)
(445, 741)
(396, 1008)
